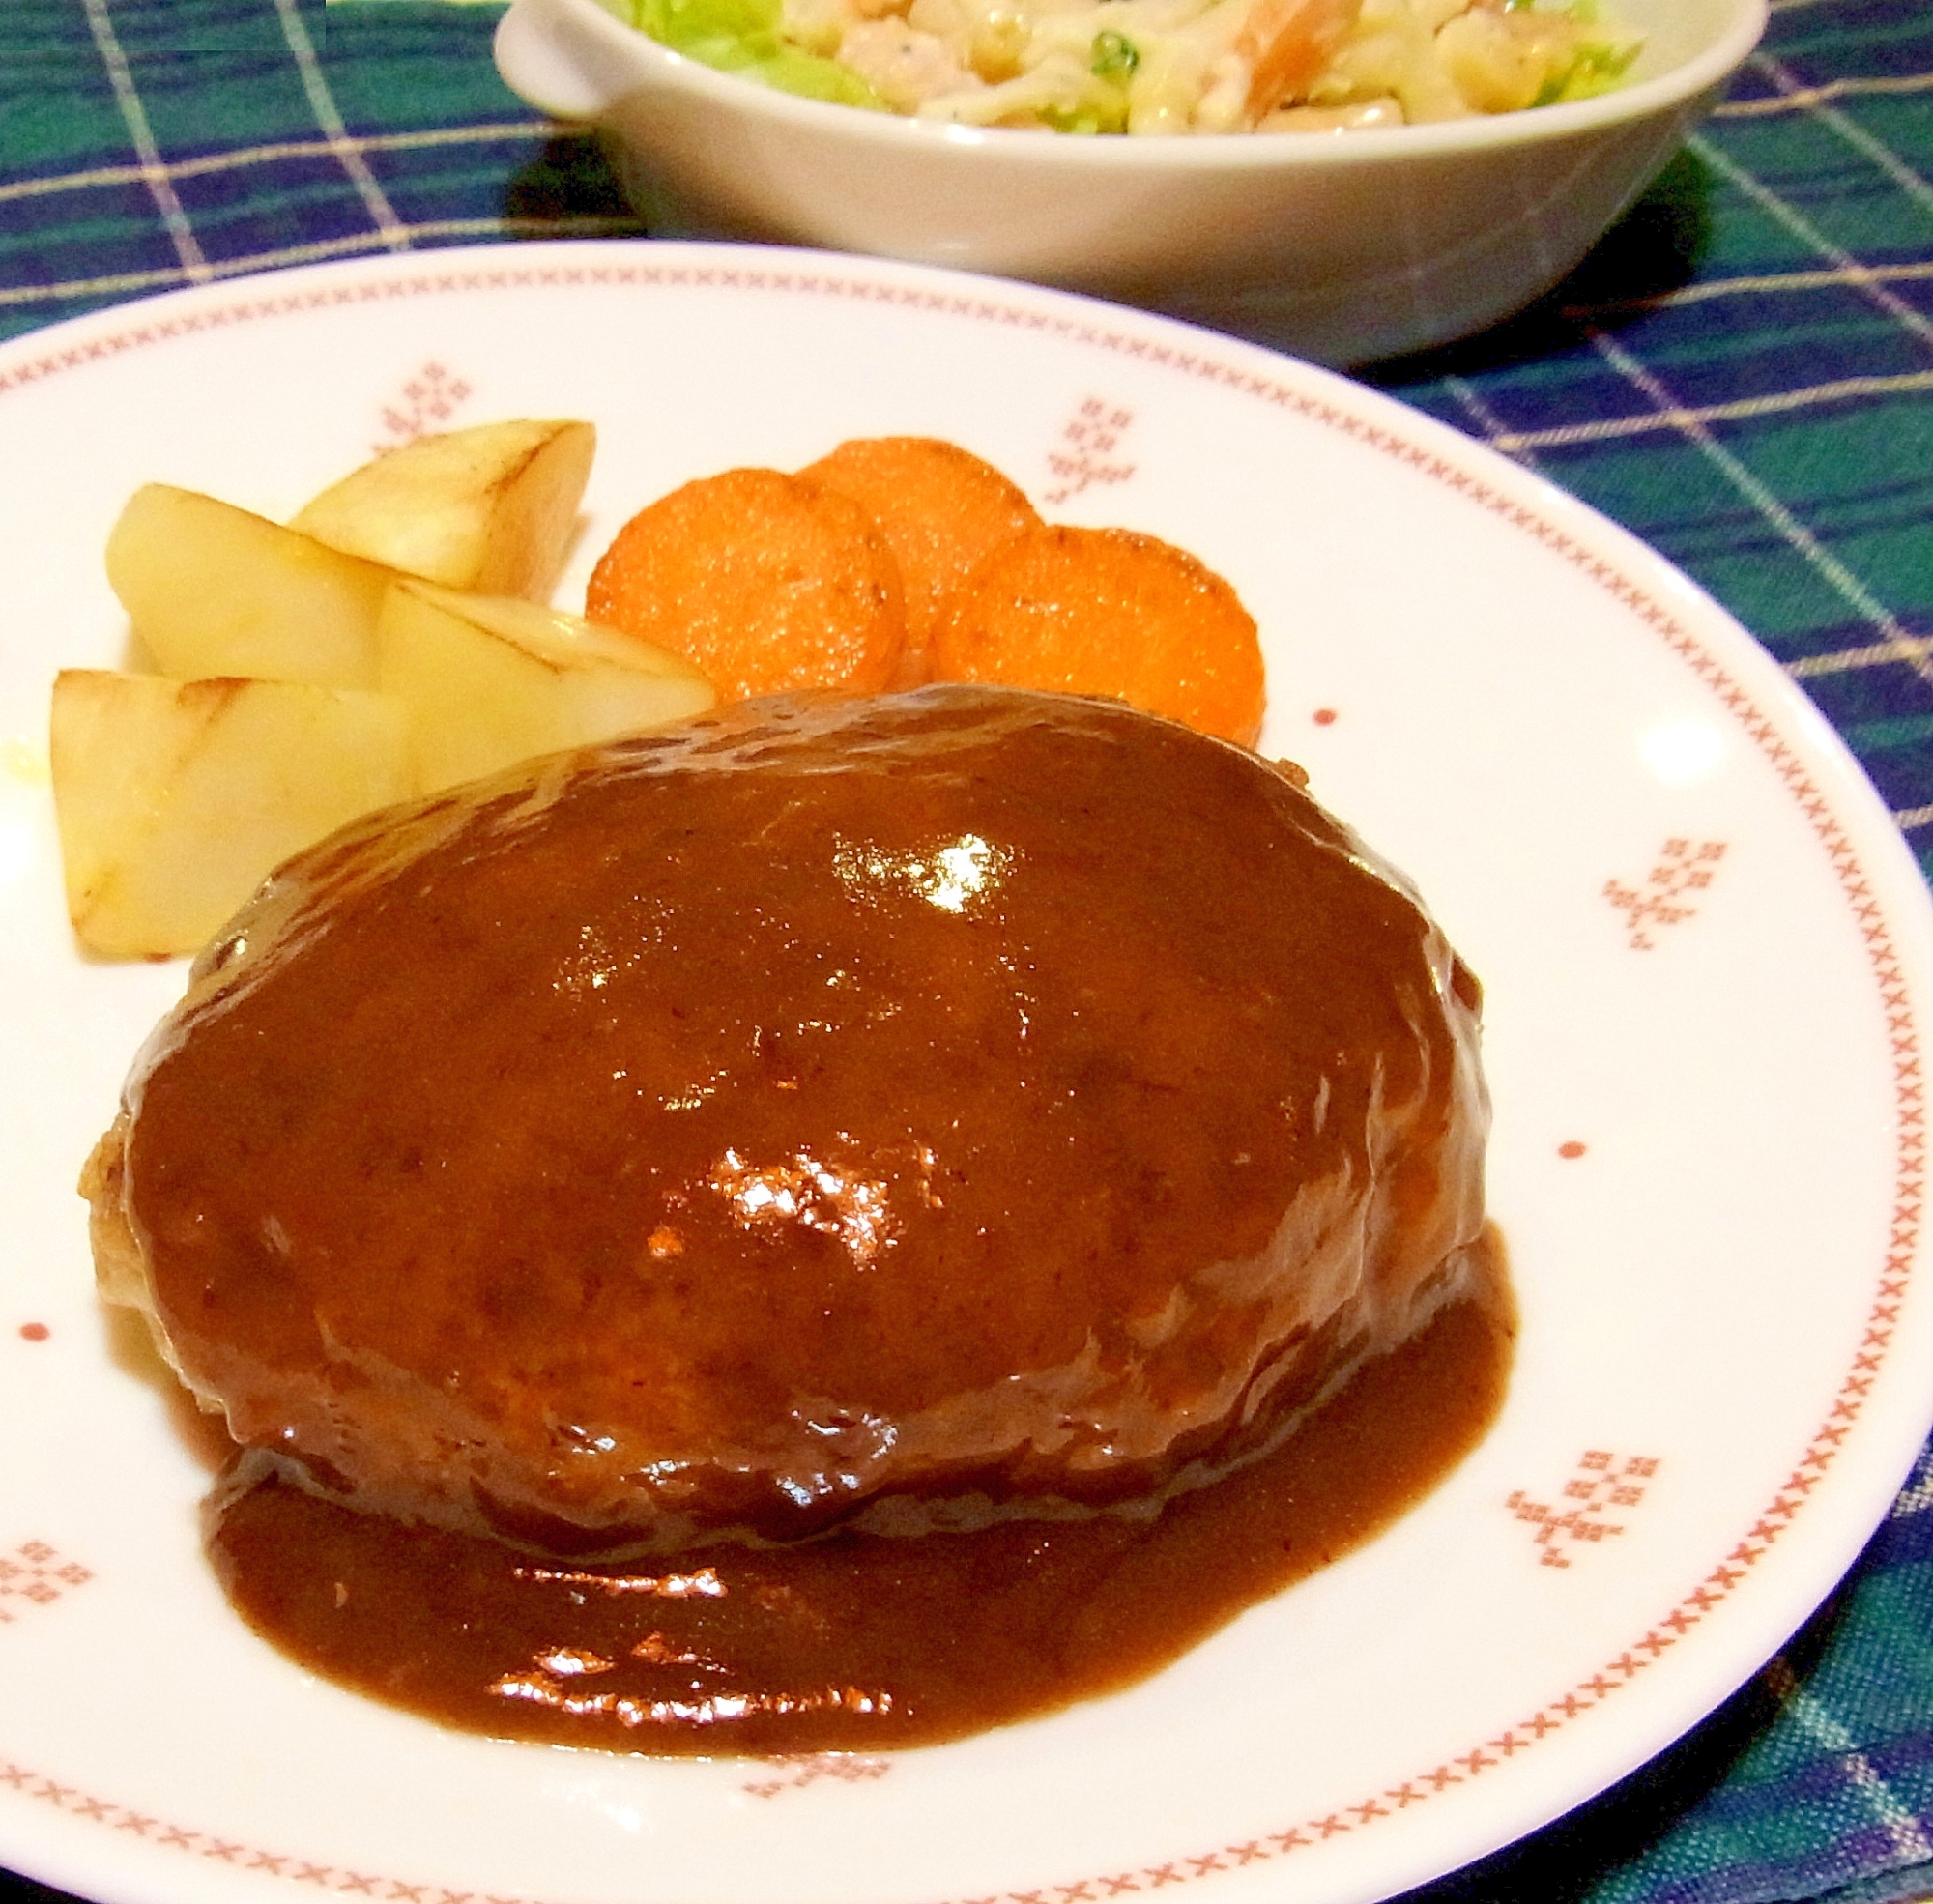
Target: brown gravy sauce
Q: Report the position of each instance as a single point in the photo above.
(852, 1642)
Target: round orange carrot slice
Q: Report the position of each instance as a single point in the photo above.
(940, 508)
(767, 583)
(1110, 612)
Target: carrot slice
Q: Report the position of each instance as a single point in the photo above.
(1287, 43)
(940, 510)
(1109, 612)
(767, 583)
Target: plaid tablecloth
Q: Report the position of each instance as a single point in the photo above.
(1741, 373)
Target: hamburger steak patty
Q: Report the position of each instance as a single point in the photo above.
(926, 1108)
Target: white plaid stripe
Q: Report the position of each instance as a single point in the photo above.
(1912, 648)
(1899, 645)
(1753, 285)
(534, 130)
(195, 268)
(1523, 444)
(1855, 135)
(1854, 273)
(441, 230)
(1795, 97)
(395, 235)
(1690, 416)
(1916, 1497)
(1888, 1809)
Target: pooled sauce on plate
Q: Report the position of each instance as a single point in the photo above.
(753, 1221)
(852, 1642)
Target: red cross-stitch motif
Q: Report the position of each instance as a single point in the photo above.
(1683, 866)
(1090, 440)
(1600, 1483)
(794, 1774)
(428, 399)
(34, 1574)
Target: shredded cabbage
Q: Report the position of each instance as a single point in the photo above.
(747, 36)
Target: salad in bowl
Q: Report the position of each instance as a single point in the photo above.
(1158, 66)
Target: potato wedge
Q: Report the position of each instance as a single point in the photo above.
(489, 680)
(489, 509)
(175, 800)
(215, 591)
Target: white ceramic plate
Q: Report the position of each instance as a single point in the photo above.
(1708, 963)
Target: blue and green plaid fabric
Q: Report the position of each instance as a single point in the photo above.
(1741, 373)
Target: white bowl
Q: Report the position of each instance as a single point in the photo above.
(1342, 247)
